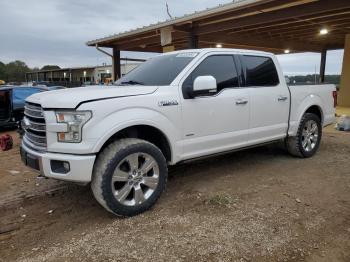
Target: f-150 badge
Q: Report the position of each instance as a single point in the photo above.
(168, 103)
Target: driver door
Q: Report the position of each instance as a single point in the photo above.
(215, 122)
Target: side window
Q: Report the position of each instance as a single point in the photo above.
(261, 71)
(221, 67)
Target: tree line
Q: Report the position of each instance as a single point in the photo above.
(15, 71)
(312, 78)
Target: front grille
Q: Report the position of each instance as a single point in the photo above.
(34, 126)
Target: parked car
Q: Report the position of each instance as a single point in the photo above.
(12, 100)
(175, 107)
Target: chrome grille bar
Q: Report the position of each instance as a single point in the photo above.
(34, 126)
(41, 141)
(32, 113)
(29, 144)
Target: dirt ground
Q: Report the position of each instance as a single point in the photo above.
(255, 205)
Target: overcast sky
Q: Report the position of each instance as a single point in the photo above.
(41, 32)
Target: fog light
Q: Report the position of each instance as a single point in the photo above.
(61, 167)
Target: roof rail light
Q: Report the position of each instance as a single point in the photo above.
(286, 51)
(218, 45)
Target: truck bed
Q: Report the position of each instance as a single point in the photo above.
(322, 95)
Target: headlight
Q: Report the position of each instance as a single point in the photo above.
(75, 121)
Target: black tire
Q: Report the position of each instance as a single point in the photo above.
(294, 143)
(107, 162)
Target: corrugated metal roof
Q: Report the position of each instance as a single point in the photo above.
(176, 20)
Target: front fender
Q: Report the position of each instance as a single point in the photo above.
(122, 119)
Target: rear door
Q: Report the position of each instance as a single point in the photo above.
(215, 122)
(269, 99)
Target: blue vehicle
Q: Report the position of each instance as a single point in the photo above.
(12, 103)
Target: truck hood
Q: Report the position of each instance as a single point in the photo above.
(73, 97)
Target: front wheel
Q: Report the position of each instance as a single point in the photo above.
(308, 138)
(129, 176)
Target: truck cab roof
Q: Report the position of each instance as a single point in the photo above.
(207, 50)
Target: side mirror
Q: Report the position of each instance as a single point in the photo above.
(204, 85)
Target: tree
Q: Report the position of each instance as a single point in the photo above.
(310, 79)
(50, 67)
(15, 71)
(2, 71)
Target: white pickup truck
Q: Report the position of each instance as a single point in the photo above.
(175, 107)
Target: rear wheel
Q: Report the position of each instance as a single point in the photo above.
(129, 176)
(308, 138)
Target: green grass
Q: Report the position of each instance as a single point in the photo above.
(220, 200)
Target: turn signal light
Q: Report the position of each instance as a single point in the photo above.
(61, 136)
(60, 117)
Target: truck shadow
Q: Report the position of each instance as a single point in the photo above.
(81, 196)
(78, 201)
(245, 158)
(72, 208)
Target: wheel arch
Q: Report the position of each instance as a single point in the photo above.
(310, 104)
(316, 110)
(145, 132)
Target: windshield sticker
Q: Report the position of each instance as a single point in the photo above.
(187, 54)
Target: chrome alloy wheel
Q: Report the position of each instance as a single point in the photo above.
(135, 179)
(309, 137)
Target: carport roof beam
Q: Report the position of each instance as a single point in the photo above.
(273, 24)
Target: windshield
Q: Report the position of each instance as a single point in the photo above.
(157, 71)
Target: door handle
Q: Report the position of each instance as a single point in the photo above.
(241, 102)
(282, 98)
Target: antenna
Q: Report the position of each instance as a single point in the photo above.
(167, 10)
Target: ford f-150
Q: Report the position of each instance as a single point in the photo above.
(175, 107)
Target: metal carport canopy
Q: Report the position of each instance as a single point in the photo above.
(269, 25)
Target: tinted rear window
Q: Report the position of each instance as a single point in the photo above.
(261, 71)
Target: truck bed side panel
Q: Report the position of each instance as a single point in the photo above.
(305, 96)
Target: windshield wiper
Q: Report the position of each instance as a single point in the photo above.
(132, 82)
